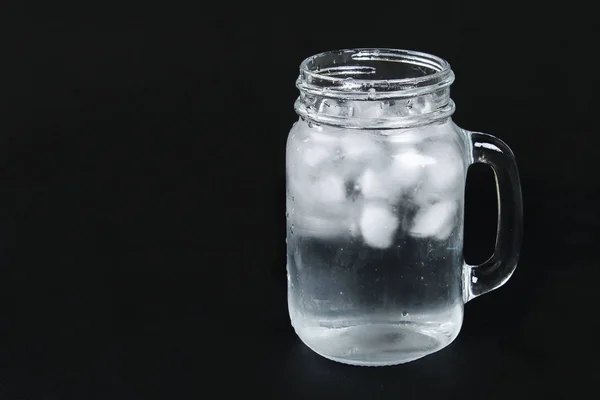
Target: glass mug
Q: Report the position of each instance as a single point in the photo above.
(375, 179)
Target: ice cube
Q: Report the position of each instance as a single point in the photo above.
(312, 149)
(398, 108)
(418, 135)
(378, 224)
(318, 226)
(389, 182)
(445, 174)
(305, 151)
(377, 184)
(329, 189)
(435, 220)
(445, 231)
(359, 146)
(324, 195)
(368, 109)
(336, 108)
(424, 198)
(408, 166)
(314, 155)
(319, 134)
(354, 228)
(319, 208)
(421, 105)
(325, 136)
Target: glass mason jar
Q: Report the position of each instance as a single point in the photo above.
(375, 179)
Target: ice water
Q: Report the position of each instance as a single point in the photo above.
(374, 240)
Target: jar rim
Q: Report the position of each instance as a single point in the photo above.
(357, 73)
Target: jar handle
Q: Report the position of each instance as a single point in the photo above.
(493, 273)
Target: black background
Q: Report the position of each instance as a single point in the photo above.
(142, 199)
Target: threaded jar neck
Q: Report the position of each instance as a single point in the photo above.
(382, 88)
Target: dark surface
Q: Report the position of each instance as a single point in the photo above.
(142, 203)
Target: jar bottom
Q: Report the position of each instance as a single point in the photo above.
(378, 344)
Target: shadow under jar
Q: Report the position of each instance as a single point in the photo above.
(375, 179)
